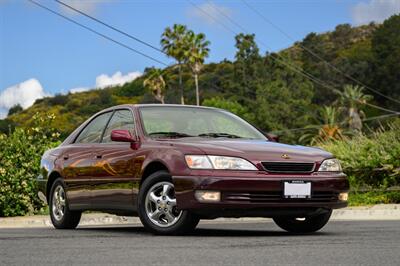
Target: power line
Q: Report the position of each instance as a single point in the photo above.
(216, 20)
(98, 33)
(111, 27)
(283, 60)
(262, 16)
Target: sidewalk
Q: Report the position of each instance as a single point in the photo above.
(376, 212)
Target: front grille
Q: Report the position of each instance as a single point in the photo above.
(286, 167)
(276, 196)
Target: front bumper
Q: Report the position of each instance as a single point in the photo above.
(259, 195)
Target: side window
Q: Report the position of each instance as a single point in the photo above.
(122, 119)
(92, 132)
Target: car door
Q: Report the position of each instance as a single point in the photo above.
(114, 175)
(78, 159)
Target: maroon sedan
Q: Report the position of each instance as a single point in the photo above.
(173, 165)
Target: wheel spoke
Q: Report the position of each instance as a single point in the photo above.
(156, 215)
(153, 197)
(62, 201)
(172, 202)
(170, 218)
(165, 190)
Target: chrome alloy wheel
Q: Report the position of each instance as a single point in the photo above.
(161, 205)
(58, 203)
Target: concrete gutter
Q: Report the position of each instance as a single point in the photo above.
(376, 212)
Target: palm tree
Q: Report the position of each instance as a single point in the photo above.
(196, 53)
(156, 84)
(352, 98)
(330, 129)
(174, 44)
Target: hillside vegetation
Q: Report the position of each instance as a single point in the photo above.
(268, 89)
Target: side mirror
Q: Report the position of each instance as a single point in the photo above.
(272, 137)
(122, 135)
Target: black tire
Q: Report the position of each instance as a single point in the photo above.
(186, 222)
(308, 224)
(69, 219)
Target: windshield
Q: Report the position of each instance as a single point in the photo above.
(177, 122)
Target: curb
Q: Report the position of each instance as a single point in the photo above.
(365, 213)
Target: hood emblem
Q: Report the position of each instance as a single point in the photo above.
(285, 156)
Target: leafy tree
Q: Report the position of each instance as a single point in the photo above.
(284, 101)
(155, 83)
(6, 126)
(196, 52)
(230, 105)
(386, 52)
(15, 109)
(352, 100)
(340, 35)
(58, 99)
(174, 44)
(321, 46)
(247, 65)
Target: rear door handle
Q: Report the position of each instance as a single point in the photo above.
(66, 157)
(99, 156)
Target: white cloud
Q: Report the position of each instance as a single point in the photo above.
(24, 93)
(79, 89)
(86, 6)
(210, 12)
(374, 10)
(104, 81)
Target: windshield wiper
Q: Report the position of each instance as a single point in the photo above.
(171, 134)
(220, 135)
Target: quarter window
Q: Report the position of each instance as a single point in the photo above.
(122, 119)
(93, 131)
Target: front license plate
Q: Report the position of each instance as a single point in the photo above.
(297, 190)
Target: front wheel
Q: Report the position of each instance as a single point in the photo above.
(61, 216)
(308, 224)
(157, 207)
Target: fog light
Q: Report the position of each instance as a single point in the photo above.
(207, 195)
(343, 196)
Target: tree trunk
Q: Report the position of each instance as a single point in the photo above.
(196, 81)
(180, 83)
(355, 120)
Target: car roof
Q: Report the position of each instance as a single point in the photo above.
(158, 105)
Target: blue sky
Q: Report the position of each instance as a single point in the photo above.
(46, 54)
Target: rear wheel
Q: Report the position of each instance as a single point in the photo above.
(306, 224)
(157, 207)
(61, 216)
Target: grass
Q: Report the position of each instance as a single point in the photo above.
(373, 197)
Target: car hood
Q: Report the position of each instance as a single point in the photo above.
(256, 150)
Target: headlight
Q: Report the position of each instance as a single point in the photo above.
(218, 162)
(330, 165)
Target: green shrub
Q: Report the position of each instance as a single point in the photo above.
(374, 197)
(20, 154)
(372, 161)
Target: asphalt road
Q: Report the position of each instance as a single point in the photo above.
(261, 243)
